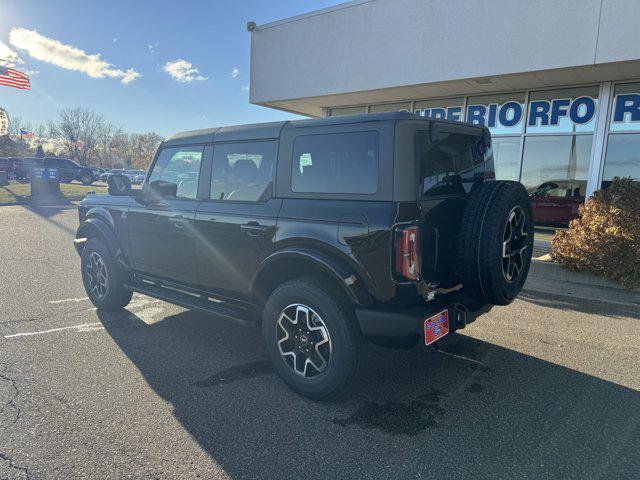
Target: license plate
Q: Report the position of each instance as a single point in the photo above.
(436, 327)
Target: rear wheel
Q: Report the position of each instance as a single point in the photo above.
(496, 242)
(312, 338)
(103, 279)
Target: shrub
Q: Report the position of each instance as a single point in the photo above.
(605, 238)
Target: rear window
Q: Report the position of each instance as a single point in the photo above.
(336, 163)
(448, 162)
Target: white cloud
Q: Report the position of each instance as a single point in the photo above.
(152, 47)
(66, 56)
(183, 71)
(12, 59)
(235, 72)
(246, 87)
(115, 40)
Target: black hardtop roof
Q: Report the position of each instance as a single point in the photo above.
(260, 131)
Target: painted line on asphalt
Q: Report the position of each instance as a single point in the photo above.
(83, 327)
(64, 300)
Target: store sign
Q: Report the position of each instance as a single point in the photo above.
(579, 111)
(4, 122)
(626, 108)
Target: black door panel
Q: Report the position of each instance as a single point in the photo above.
(232, 239)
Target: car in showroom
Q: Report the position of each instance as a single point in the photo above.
(325, 233)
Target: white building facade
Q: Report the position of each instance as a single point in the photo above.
(556, 82)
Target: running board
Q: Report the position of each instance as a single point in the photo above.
(193, 301)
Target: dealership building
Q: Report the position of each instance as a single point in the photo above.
(556, 82)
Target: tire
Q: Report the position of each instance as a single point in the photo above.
(346, 346)
(486, 273)
(112, 295)
(86, 180)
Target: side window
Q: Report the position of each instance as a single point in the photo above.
(336, 163)
(243, 171)
(445, 162)
(179, 166)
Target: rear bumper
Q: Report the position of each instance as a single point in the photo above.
(408, 322)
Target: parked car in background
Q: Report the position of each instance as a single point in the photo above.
(135, 176)
(68, 170)
(104, 176)
(556, 202)
(22, 168)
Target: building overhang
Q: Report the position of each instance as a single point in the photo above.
(364, 52)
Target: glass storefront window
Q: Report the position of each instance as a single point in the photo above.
(447, 108)
(622, 158)
(335, 112)
(563, 111)
(625, 111)
(503, 114)
(391, 107)
(554, 172)
(506, 157)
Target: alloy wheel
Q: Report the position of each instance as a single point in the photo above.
(96, 272)
(303, 340)
(514, 244)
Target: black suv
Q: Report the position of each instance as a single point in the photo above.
(68, 170)
(325, 232)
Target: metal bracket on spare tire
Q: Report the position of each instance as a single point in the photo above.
(494, 247)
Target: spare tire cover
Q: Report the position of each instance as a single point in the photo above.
(495, 242)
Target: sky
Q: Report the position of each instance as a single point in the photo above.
(162, 66)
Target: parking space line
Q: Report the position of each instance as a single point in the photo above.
(64, 300)
(83, 327)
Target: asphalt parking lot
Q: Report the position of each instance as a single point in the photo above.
(548, 387)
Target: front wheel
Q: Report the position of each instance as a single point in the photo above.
(312, 338)
(86, 180)
(103, 279)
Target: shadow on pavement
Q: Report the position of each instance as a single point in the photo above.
(411, 414)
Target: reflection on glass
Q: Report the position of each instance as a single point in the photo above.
(390, 107)
(563, 160)
(506, 157)
(554, 172)
(622, 158)
(335, 112)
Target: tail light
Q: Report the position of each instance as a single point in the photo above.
(407, 243)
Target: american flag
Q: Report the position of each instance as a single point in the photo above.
(14, 78)
(26, 133)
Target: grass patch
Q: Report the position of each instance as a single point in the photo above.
(16, 193)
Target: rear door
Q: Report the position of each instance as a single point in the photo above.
(160, 224)
(449, 158)
(236, 225)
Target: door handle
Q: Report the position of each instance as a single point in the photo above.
(254, 228)
(159, 205)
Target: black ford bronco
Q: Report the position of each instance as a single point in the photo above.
(326, 232)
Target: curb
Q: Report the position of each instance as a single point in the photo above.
(552, 271)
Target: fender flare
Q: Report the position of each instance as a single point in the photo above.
(349, 281)
(96, 226)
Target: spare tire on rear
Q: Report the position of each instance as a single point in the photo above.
(495, 242)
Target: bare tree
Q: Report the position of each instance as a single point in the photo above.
(77, 130)
(106, 145)
(141, 149)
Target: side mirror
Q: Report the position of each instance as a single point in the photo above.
(162, 188)
(119, 185)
